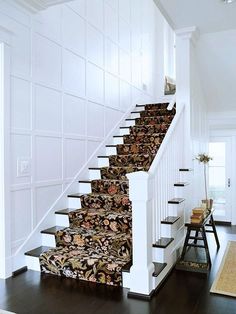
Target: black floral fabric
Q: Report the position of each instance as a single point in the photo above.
(98, 241)
(157, 112)
(149, 129)
(142, 138)
(137, 160)
(110, 187)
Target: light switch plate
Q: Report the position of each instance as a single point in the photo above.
(23, 167)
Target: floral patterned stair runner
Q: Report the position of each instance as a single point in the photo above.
(98, 242)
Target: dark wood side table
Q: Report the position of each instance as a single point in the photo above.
(200, 235)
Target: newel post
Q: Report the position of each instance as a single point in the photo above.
(140, 189)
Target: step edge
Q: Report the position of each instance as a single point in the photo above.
(163, 246)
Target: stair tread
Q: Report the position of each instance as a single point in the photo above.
(163, 242)
(37, 251)
(127, 155)
(137, 144)
(181, 184)
(104, 194)
(110, 180)
(64, 211)
(170, 220)
(176, 200)
(75, 195)
(52, 230)
(126, 267)
(158, 268)
(84, 181)
(185, 169)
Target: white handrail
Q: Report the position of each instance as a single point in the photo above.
(165, 142)
(172, 103)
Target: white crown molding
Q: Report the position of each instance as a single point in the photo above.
(39, 5)
(165, 14)
(191, 33)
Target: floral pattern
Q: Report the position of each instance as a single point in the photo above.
(113, 173)
(97, 219)
(143, 138)
(149, 129)
(98, 241)
(115, 202)
(157, 112)
(103, 242)
(126, 149)
(154, 120)
(129, 160)
(84, 264)
(110, 187)
(156, 106)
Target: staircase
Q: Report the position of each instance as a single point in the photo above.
(93, 237)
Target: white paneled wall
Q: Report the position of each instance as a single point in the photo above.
(71, 65)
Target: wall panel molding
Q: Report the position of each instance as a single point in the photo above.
(39, 5)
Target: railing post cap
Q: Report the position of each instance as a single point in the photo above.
(139, 175)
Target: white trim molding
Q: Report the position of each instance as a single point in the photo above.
(190, 33)
(38, 5)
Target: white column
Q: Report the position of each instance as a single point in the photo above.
(5, 219)
(140, 189)
(185, 41)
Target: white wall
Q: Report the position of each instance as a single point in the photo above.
(216, 53)
(190, 92)
(75, 69)
(199, 126)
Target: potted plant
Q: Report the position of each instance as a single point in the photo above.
(204, 158)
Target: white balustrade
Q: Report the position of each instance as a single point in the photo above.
(150, 192)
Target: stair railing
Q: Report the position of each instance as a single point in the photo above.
(149, 193)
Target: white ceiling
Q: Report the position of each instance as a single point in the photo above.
(208, 15)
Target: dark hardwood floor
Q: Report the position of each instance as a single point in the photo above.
(182, 293)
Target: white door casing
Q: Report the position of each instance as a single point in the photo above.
(221, 177)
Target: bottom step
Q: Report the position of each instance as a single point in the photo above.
(32, 257)
(36, 252)
(158, 268)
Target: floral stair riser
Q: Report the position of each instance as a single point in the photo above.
(149, 129)
(129, 160)
(98, 242)
(157, 112)
(110, 187)
(95, 218)
(144, 138)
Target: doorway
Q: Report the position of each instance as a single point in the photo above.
(220, 177)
